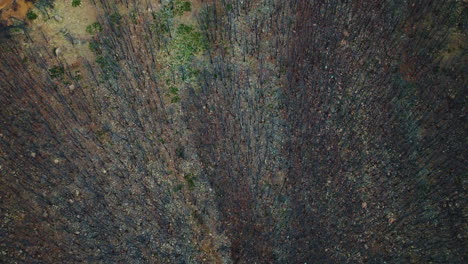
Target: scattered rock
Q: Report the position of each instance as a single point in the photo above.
(58, 18)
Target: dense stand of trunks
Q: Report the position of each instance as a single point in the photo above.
(319, 132)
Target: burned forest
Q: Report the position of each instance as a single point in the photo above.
(233, 131)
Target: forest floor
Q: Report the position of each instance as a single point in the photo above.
(212, 131)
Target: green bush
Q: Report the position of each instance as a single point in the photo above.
(175, 99)
(94, 28)
(160, 27)
(76, 3)
(31, 15)
(180, 152)
(173, 90)
(182, 6)
(178, 187)
(115, 18)
(57, 72)
(133, 17)
(187, 43)
(190, 179)
(95, 48)
(109, 66)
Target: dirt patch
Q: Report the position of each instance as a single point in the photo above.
(11, 9)
(4, 3)
(65, 30)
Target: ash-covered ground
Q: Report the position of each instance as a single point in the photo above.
(233, 131)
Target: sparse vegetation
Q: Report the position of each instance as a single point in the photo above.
(182, 6)
(190, 179)
(178, 187)
(77, 76)
(108, 65)
(187, 43)
(94, 28)
(57, 72)
(94, 47)
(31, 15)
(44, 4)
(133, 17)
(234, 131)
(174, 90)
(180, 152)
(175, 99)
(115, 18)
(76, 3)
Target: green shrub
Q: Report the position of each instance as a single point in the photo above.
(180, 152)
(57, 72)
(94, 28)
(31, 15)
(133, 17)
(190, 179)
(115, 18)
(173, 90)
(160, 27)
(178, 187)
(76, 3)
(94, 47)
(109, 66)
(184, 29)
(182, 6)
(175, 99)
(187, 43)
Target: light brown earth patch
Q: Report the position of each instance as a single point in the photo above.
(13, 9)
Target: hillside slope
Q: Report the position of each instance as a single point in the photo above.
(234, 131)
